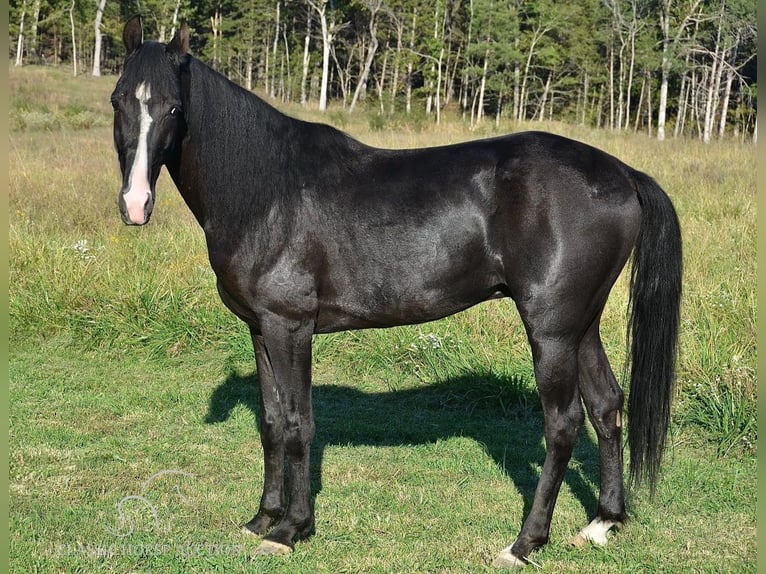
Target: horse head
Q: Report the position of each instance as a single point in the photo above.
(148, 116)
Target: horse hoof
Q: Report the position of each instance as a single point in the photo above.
(578, 541)
(595, 533)
(249, 532)
(271, 548)
(506, 559)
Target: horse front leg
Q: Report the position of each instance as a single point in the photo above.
(272, 506)
(288, 348)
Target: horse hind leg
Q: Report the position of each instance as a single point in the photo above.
(603, 400)
(555, 362)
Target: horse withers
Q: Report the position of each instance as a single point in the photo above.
(310, 231)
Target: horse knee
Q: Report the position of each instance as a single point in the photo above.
(272, 431)
(298, 437)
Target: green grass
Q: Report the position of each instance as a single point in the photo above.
(124, 363)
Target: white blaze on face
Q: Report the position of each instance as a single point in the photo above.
(139, 190)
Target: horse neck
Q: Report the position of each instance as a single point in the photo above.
(218, 179)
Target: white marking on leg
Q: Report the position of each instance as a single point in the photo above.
(595, 532)
(139, 190)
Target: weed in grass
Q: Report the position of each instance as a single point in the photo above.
(723, 410)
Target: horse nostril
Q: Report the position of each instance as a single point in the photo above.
(135, 207)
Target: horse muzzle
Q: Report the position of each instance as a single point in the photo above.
(136, 207)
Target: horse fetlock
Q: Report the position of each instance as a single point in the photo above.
(262, 522)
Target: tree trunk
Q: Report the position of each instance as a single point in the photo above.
(611, 87)
(713, 87)
(714, 83)
(272, 90)
(175, 23)
(620, 84)
(438, 102)
(32, 44)
(516, 87)
(409, 61)
(215, 24)
(429, 82)
(633, 32)
(266, 64)
(584, 99)
(640, 103)
(541, 115)
(320, 7)
(20, 43)
(683, 99)
(649, 102)
(249, 67)
(482, 87)
(449, 84)
(667, 41)
(373, 6)
(464, 85)
(382, 83)
(342, 73)
(536, 35)
(397, 62)
(286, 84)
(664, 68)
(725, 104)
(727, 92)
(600, 106)
(306, 60)
(97, 25)
(57, 42)
(74, 39)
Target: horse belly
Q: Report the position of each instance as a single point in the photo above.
(406, 275)
(382, 306)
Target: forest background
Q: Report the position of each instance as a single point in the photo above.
(668, 68)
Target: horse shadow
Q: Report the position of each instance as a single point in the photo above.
(501, 413)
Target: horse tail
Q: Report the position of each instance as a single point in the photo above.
(655, 297)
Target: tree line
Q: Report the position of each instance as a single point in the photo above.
(667, 67)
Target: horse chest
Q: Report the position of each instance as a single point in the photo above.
(252, 289)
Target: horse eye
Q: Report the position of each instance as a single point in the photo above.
(175, 111)
(116, 99)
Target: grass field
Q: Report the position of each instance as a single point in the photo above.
(133, 442)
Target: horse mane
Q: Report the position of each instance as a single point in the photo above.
(234, 133)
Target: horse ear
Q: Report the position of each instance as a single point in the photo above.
(179, 45)
(133, 34)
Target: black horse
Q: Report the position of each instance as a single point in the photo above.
(309, 231)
